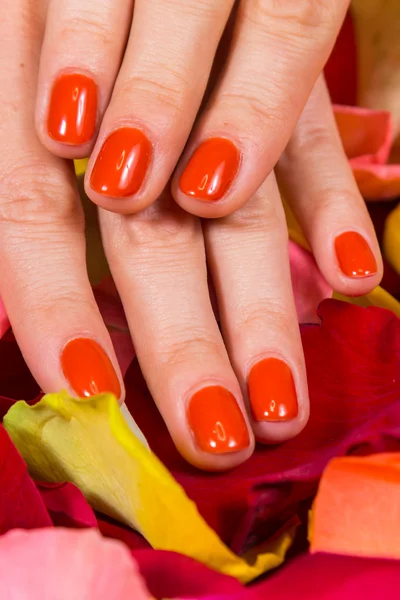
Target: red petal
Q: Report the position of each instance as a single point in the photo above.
(354, 378)
(67, 505)
(341, 68)
(21, 505)
(171, 575)
(328, 577)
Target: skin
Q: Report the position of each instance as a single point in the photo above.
(267, 95)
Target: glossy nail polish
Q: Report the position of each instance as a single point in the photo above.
(216, 421)
(73, 109)
(354, 255)
(88, 369)
(122, 163)
(272, 391)
(210, 170)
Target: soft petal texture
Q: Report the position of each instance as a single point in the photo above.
(67, 505)
(20, 502)
(61, 563)
(353, 365)
(356, 510)
(326, 577)
(377, 28)
(171, 575)
(367, 137)
(309, 286)
(89, 443)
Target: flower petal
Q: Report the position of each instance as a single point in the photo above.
(89, 443)
(20, 502)
(64, 564)
(4, 322)
(353, 366)
(67, 505)
(356, 510)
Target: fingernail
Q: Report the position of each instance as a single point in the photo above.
(88, 369)
(272, 391)
(211, 170)
(354, 255)
(121, 164)
(72, 109)
(217, 422)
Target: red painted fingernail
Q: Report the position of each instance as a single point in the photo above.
(272, 391)
(88, 369)
(210, 170)
(354, 255)
(217, 422)
(73, 109)
(122, 163)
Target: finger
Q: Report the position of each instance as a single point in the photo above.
(278, 50)
(249, 261)
(317, 179)
(43, 279)
(157, 260)
(156, 97)
(81, 55)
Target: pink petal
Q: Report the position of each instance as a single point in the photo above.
(65, 564)
(309, 286)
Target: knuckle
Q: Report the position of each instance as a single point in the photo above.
(45, 199)
(94, 27)
(299, 14)
(268, 316)
(162, 226)
(260, 115)
(261, 214)
(200, 8)
(166, 91)
(183, 347)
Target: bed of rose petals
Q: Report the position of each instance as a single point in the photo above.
(338, 481)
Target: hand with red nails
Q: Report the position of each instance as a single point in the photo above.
(127, 86)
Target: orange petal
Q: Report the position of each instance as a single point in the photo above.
(356, 510)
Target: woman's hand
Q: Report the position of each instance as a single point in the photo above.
(124, 81)
(217, 389)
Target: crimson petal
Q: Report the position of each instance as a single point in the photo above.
(21, 505)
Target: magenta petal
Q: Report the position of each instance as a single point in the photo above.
(309, 286)
(67, 505)
(20, 502)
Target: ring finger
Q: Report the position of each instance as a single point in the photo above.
(248, 256)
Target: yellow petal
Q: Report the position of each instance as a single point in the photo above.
(88, 443)
(391, 238)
